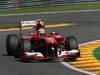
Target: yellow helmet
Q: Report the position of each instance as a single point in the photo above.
(42, 31)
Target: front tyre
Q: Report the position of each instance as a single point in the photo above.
(25, 46)
(72, 44)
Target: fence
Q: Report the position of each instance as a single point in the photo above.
(7, 4)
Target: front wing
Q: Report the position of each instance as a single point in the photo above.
(37, 55)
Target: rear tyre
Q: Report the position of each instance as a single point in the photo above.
(12, 44)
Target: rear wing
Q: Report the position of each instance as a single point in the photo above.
(26, 24)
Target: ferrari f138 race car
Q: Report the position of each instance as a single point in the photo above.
(46, 46)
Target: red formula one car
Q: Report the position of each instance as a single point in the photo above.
(42, 46)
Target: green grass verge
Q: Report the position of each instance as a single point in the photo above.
(52, 8)
(48, 9)
(96, 53)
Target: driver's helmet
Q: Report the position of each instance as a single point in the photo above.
(42, 31)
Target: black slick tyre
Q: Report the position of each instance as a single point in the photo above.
(72, 44)
(12, 44)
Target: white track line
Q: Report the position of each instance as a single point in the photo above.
(75, 11)
(88, 42)
(76, 69)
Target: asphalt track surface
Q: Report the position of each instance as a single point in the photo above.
(86, 29)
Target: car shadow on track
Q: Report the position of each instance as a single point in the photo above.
(16, 59)
(4, 55)
(44, 61)
(38, 61)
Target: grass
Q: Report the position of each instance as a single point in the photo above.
(52, 8)
(96, 53)
(90, 6)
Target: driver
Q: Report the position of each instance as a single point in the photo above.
(39, 25)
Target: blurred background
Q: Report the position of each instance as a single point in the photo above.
(9, 4)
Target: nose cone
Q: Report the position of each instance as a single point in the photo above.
(59, 37)
(51, 40)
